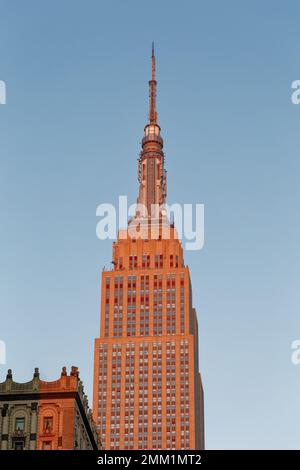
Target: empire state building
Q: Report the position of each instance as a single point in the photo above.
(147, 386)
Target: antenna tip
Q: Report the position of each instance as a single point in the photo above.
(152, 48)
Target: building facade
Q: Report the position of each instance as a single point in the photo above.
(147, 386)
(40, 415)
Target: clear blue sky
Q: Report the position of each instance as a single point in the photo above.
(76, 75)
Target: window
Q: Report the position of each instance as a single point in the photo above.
(132, 262)
(47, 445)
(145, 261)
(18, 445)
(48, 424)
(20, 424)
(159, 261)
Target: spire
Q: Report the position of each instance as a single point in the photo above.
(152, 91)
(151, 171)
(153, 62)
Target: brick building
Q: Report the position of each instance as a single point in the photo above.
(40, 415)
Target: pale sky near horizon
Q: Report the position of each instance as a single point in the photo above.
(77, 95)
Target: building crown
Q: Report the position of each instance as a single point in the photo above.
(151, 172)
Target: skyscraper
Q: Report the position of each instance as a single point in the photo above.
(147, 386)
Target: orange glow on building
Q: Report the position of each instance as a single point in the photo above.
(41, 415)
(147, 386)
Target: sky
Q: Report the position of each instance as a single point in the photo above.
(76, 77)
